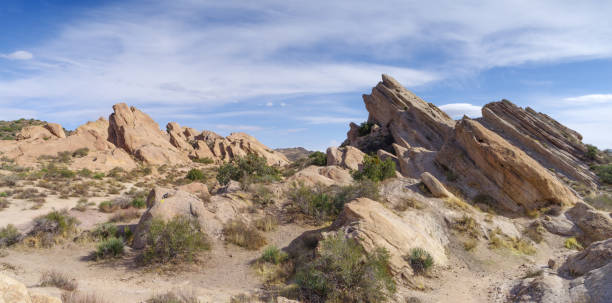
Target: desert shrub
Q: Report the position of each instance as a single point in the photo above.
(272, 254)
(9, 235)
(239, 233)
(80, 153)
(592, 151)
(179, 239)
(469, 244)
(252, 166)
(64, 157)
(420, 260)
(497, 239)
(125, 215)
(111, 247)
(174, 297)
(604, 172)
(365, 128)
(59, 280)
(572, 243)
(52, 227)
(344, 272)
(318, 158)
(104, 231)
(375, 169)
(4, 203)
(601, 202)
(138, 202)
(266, 223)
(107, 207)
(9, 180)
(4, 194)
(468, 226)
(205, 160)
(54, 172)
(84, 173)
(263, 195)
(98, 176)
(195, 174)
(81, 297)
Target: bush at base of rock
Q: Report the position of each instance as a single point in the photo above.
(51, 229)
(9, 235)
(110, 248)
(318, 158)
(420, 260)
(375, 169)
(344, 272)
(177, 240)
(252, 166)
(195, 174)
(239, 233)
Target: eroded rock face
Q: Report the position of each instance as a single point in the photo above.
(435, 187)
(374, 225)
(140, 136)
(552, 144)
(346, 157)
(11, 291)
(594, 225)
(325, 175)
(485, 163)
(594, 256)
(594, 287)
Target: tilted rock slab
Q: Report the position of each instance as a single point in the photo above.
(485, 163)
(347, 157)
(594, 225)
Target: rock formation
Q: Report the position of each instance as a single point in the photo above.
(13, 291)
(347, 157)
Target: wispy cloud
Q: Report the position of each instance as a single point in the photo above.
(328, 119)
(457, 110)
(593, 98)
(238, 127)
(18, 55)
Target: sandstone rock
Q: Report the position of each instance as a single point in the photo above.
(546, 140)
(384, 155)
(378, 138)
(435, 187)
(594, 287)
(545, 288)
(38, 298)
(56, 130)
(35, 132)
(594, 225)
(594, 256)
(560, 225)
(178, 136)
(347, 157)
(12, 291)
(488, 164)
(328, 175)
(140, 136)
(413, 161)
(373, 225)
(195, 188)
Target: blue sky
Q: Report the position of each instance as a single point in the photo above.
(292, 73)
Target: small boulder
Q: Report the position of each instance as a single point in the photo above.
(347, 157)
(435, 187)
(595, 225)
(594, 256)
(12, 291)
(56, 130)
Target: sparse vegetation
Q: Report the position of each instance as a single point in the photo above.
(239, 233)
(344, 272)
(375, 169)
(601, 202)
(104, 231)
(266, 223)
(80, 153)
(604, 172)
(81, 297)
(251, 167)
(535, 231)
(51, 229)
(59, 280)
(107, 207)
(420, 260)
(195, 174)
(273, 255)
(592, 152)
(365, 128)
(177, 240)
(318, 158)
(205, 160)
(9, 235)
(497, 239)
(110, 248)
(572, 243)
(262, 195)
(174, 297)
(125, 215)
(467, 226)
(10, 129)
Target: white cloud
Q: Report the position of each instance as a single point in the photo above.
(328, 119)
(18, 55)
(269, 104)
(457, 110)
(593, 98)
(238, 127)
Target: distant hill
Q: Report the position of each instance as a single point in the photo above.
(294, 153)
(10, 129)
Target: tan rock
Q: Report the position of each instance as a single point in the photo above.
(435, 187)
(178, 137)
(594, 286)
(485, 163)
(12, 291)
(594, 256)
(35, 132)
(594, 225)
(326, 175)
(346, 157)
(38, 298)
(196, 188)
(56, 130)
(373, 225)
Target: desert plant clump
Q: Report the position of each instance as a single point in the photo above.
(81, 297)
(104, 231)
(110, 248)
(4, 203)
(59, 280)
(239, 233)
(9, 235)
(125, 215)
(365, 128)
(468, 226)
(266, 223)
(262, 195)
(602, 201)
(80, 153)
(317, 158)
(572, 243)
(375, 169)
(535, 231)
(251, 167)
(174, 297)
(497, 239)
(205, 160)
(604, 172)
(420, 260)
(107, 207)
(272, 254)
(52, 228)
(195, 174)
(178, 240)
(344, 272)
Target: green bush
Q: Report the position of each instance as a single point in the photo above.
(318, 158)
(80, 153)
(272, 254)
(420, 260)
(179, 239)
(195, 174)
(572, 243)
(107, 207)
(604, 172)
(104, 231)
(239, 233)
(138, 202)
(365, 128)
(263, 195)
(375, 169)
(57, 223)
(98, 176)
(111, 247)
(592, 152)
(205, 160)
(251, 167)
(9, 235)
(344, 272)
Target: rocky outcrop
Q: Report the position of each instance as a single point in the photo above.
(141, 137)
(13, 291)
(594, 225)
(594, 287)
(552, 144)
(346, 157)
(373, 225)
(485, 163)
(436, 188)
(325, 175)
(56, 130)
(594, 256)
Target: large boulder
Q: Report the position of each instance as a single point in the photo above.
(436, 188)
(56, 129)
(373, 225)
(594, 256)
(35, 132)
(12, 291)
(594, 225)
(544, 288)
(325, 175)
(593, 287)
(346, 157)
(140, 136)
(485, 163)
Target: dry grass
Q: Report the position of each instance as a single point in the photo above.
(59, 280)
(457, 203)
(467, 226)
(497, 239)
(239, 233)
(125, 215)
(267, 223)
(81, 297)
(175, 297)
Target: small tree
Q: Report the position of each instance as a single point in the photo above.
(375, 169)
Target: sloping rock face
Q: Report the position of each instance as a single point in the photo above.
(411, 121)
(485, 163)
(594, 256)
(373, 225)
(325, 175)
(594, 225)
(347, 157)
(552, 144)
(140, 136)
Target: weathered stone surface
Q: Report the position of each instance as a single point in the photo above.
(413, 161)
(436, 188)
(594, 256)
(38, 298)
(485, 163)
(12, 291)
(178, 136)
(35, 132)
(594, 225)
(327, 175)
(545, 288)
(594, 287)
(373, 225)
(552, 144)
(346, 157)
(140, 136)
(56, 130)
